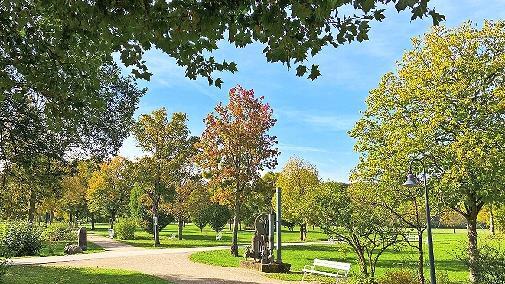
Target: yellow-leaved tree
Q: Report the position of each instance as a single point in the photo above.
(109, 188)
(446, 104)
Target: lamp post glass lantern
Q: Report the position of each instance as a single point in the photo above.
(412, 181)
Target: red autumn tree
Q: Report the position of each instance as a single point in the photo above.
(235, 147)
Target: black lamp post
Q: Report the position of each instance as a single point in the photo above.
(411, 182)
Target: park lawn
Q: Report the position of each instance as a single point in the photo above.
(449, 248)
(192, 237)
(56, 248)
(64, 275)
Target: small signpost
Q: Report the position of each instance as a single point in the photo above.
(155, 225)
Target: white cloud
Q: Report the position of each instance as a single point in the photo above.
(295, 148)
(320, 121)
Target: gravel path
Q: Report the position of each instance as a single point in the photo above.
(177, 268)
(172, 264)
(109, 244)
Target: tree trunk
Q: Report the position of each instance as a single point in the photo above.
(421, 258)
(454, 230)
(92, 221)
(234, 245)
(112, 217)
(473, 253)
(31, 210)
(155, 225)
(491, 221)
(362, 263)
(303, 232)
(51, 217)
(181, 225)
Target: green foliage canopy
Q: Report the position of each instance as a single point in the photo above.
(446, 104)
(291, 31)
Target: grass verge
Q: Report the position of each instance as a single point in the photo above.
(193, 237)
(449, 248)
(64, 275)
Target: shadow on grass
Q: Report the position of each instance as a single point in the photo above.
(64, 275)
(178, 279)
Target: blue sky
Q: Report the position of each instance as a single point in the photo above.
(313, 117)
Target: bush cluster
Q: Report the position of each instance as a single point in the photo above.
(490, 265)
(399, 276)
(4, 265)
(125, 228)
(20, 239)
(59, 232)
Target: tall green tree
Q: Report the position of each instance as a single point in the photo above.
(109, 188)
(235, 146)
(74, 190)
(30, 184)
(35, 122)
(199, 203)
(169, 149)
(298, 180)
(180, 206)
(260, 201)
(444, 103)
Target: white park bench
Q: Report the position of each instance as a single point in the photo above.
(219, 236)
(173, 236)
(341, 269)
(334, 240)
(412, 237)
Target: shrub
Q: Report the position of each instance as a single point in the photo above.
(59, 232)
(490, 265)
(125, 229)
(443, 278)
(20, 239)
(140, 208)
(164, 219)
(4, 265)
(360, 279)
(219, 216)
(400, 276)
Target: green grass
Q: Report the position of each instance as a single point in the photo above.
(192, 237)
(64, 275)
(448, 249)
(56, 248)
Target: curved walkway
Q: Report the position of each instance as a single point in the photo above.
(177, 268)
(172, 264)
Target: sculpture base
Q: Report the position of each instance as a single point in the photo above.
(266, 267)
